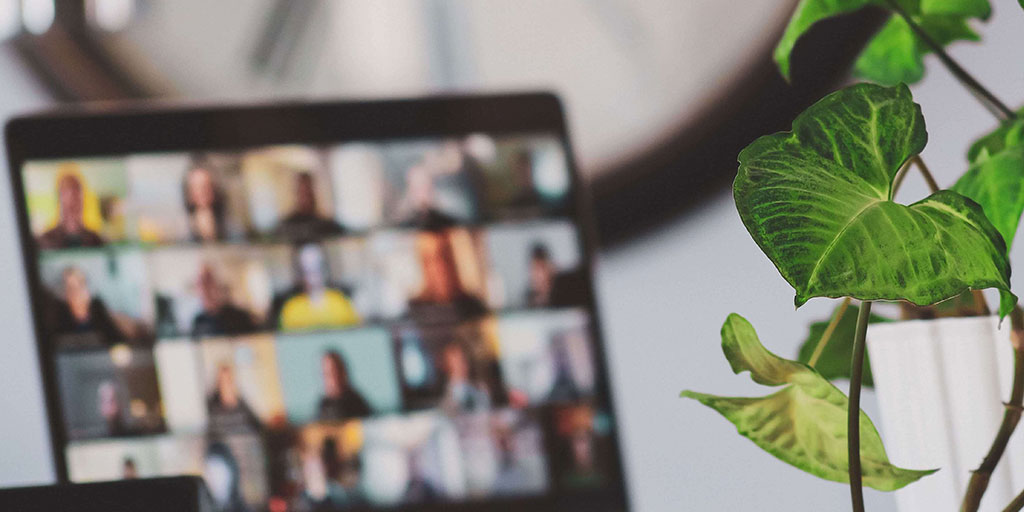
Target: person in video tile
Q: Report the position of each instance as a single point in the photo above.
(109, 403)
(342, 475)
(223, 478)
(305, 222)
(548, 286)
(229, 413)
(70, 230)
(461, 391)
(78, 312)
(420, 202)
(219, 316)
(340, 399)
(129, 471)
(205, 203)
(522, 173)
(443, 294)
(315, 304)
(419, 489)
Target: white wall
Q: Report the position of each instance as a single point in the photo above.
(24, 438)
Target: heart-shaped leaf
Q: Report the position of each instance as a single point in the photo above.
(835, 359)
(896, 55)
(894, 42)
(818, 201)
(804, 424)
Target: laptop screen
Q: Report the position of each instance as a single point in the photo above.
(353, 325)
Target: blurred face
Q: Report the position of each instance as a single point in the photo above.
(455, 364)
(583, 451)
(107, 400)
(305, 198)
(209, 289)
(439, 274)
(199, 184)
(420, 187)
(76, 294)
(130, 470)
(541, 274)
(311, 263)
(69, 194)
(334, 377)
(226, 386)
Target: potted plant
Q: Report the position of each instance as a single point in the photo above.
(819, 202)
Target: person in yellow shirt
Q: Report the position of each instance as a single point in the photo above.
(317, 305)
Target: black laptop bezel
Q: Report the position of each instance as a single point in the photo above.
(125, 129)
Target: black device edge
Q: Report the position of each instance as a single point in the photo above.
(137, 127)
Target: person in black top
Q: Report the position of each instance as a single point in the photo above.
(305, 223)
(418, 208)
(219, 316)
(70, 230)
(550, 288)
(229, 413)
(79, 313)
(340, 399)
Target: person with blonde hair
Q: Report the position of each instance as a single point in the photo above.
(70, 230)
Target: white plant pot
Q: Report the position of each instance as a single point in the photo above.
(941, 385)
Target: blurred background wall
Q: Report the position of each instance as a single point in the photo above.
(636, 76)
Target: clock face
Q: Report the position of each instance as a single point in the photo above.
(629, 71)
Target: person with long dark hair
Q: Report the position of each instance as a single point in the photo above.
(340, 400)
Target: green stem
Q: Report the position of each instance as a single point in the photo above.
(827, 335)
(928, 177)
(959, 72)
(853, 414)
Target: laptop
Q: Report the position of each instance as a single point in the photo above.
(320, 306)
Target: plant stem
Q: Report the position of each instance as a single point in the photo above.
(926, 173)
(827, 335)
(900, 175)
(1011, 417)
(959, 72)
(1016, 504)
(853, 414)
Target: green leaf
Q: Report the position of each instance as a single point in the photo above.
(1008, 134)
(896, 55)
(970, 8)
(995, 179)
(809, 12)
(818, 201)
(996, 182)
(803, 424)
(835, 359)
